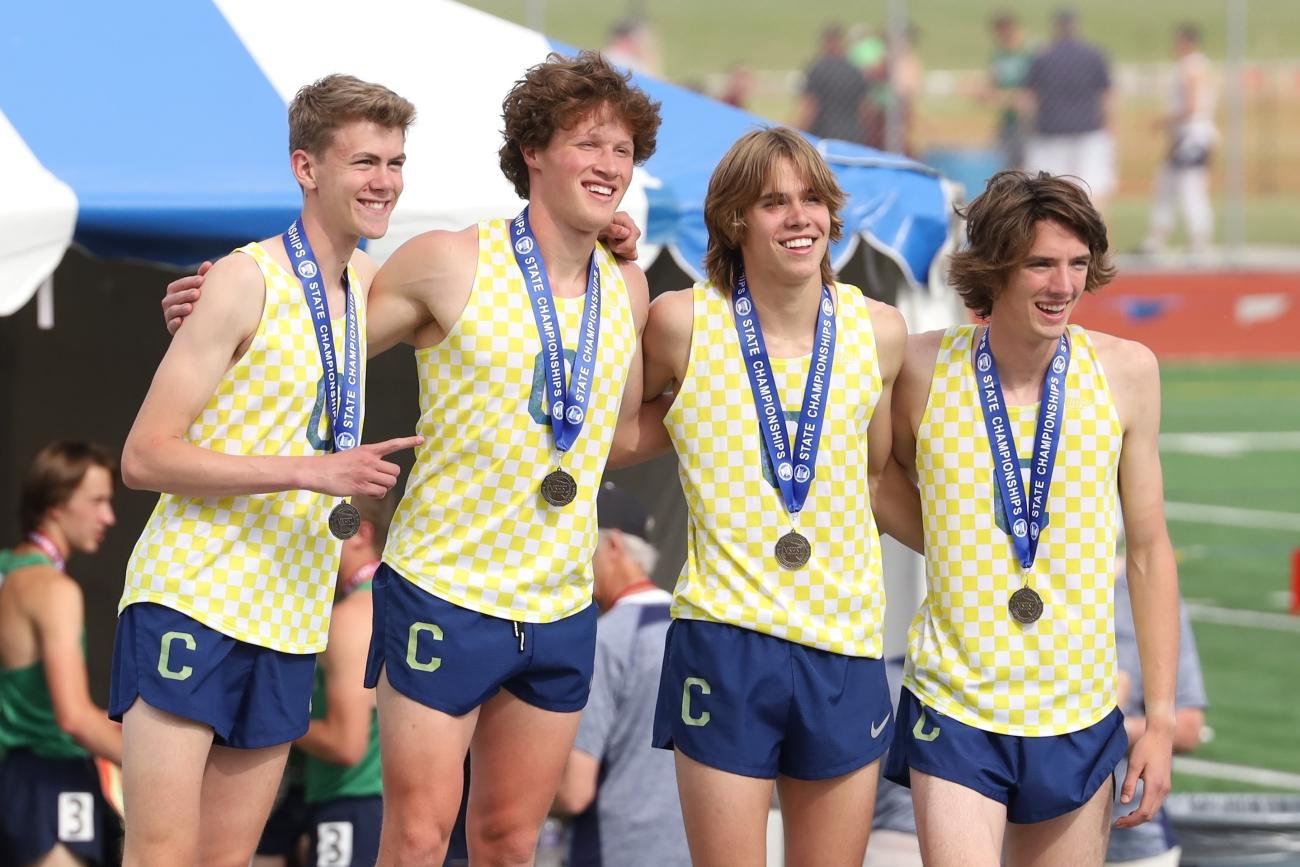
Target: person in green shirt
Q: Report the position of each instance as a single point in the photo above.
(1008, 70)
(49, 727)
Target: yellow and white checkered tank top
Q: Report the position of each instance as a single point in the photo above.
(472, 528)
(259, 568)
(967, 657)
(736, 513)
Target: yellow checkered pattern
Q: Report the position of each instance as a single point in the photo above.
(736, 513)
(258, 568)
(473, 528)
(967, 657)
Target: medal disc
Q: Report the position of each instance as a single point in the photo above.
(345, 520)
(1026, 605)
(559, 488)
(793, 550)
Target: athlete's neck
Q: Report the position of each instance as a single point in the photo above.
(52, 542)
(333, 248)
(565, 250)
(1022, 361)
(788, 313)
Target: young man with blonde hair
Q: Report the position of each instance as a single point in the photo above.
(49, 726)
(251, 430)
(1025, 434)
(780, 381)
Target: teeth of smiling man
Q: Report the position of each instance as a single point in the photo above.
(797, 242)
(1051, 308)
(599, 190)
(375, 206)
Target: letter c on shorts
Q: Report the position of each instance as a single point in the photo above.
(164, 656)
(687, 717)
(412, 643)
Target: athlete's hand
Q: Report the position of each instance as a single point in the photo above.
(621, 236)
(181, 295)
(1151, 760)
(362, 470)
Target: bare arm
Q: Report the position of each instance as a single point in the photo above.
(806, 111)
(343, 735)
(1152, 573)
(59, 617)
(642, 435)
(891, 339)
(578, 784)
(422, 288)
(157, 456)
(899, 510)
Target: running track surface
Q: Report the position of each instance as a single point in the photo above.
(1243, 315)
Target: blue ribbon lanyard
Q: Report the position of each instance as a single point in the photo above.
(794, 469)
(344, 391)
(568, 404)
(1024, 514)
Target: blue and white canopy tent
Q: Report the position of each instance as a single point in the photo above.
(156, 130)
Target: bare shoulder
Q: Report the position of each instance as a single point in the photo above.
(923, 349)
(672, 314)
(1127, 363)
(888, 323)
(638, 289)
(364, 265)
(234, 292)
(49, 594)
(437, 253)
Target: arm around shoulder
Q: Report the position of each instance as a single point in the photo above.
(424, 283)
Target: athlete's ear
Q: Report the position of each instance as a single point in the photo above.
(529, 153)
(304, 168)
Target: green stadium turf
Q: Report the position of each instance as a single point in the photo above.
(1250, 672)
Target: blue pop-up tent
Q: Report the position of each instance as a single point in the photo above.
(156, 130)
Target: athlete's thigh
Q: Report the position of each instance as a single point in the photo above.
(827, 821)
(516, 760)
(1077, 839)
(59, 856)
(725, 814)
(423, 755)
(957, 826)
(239, 789)
(163, 759)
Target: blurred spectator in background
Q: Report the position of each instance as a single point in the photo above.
(831, 105)
(1184, 179)
(1152, 844)
(1069, 83)
(867, 52)
(739, 86)
(333, 799)
(633, 44)
(342, 784)
(51, 809)
(906, 79)
(1008, 72)
(622, 791)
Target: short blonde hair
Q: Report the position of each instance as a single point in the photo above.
(319, 109)
(738, 182)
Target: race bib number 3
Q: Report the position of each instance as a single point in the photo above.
(76, 817)
(334, 844)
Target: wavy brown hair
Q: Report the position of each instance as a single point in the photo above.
(54, 475)
(320, 108)
(1001, 224)
(554, 95)
(738, 183)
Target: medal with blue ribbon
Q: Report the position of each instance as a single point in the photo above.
(566, 401)
(1024, 511)
(342, 381)
(794, 468)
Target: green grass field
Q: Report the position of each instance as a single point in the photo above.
(1250, 673)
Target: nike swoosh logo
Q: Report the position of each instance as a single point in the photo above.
(877, 728)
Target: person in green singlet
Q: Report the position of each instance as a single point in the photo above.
(49, 727)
